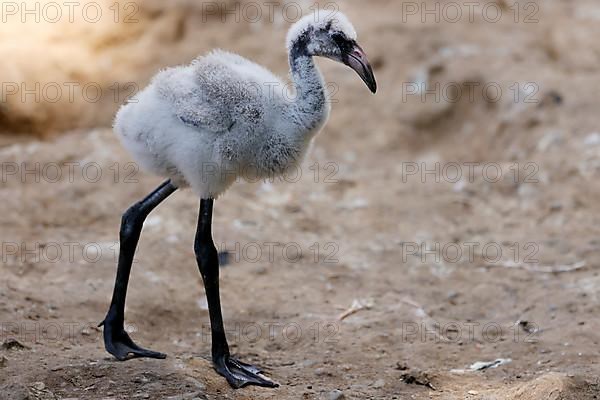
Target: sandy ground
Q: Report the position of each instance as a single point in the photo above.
(431, 248)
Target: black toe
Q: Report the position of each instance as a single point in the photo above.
(118, 343)
(240, 374)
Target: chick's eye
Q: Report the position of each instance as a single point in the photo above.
(339, 39)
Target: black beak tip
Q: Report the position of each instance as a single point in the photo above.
(373, 87)
(371, 82)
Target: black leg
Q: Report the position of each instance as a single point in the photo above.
(237, 373)
(116, 340)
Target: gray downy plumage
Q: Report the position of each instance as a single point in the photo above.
(224, 117)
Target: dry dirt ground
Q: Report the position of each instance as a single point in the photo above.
(379, 273)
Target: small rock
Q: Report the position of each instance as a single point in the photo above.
(356, 204)
(593, 139)
(308, 363)
(379, 383)
(550, 139)
(401, 366)
(12, 344)
(202, 303)
(322, 372)
(473, 392)
(3, 362)
(336, 395)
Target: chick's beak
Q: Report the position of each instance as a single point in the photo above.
(358, 61)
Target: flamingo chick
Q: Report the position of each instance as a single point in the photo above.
(200, 126)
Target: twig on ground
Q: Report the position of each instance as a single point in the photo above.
(357, 305)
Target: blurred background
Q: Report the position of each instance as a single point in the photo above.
(440, 241)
